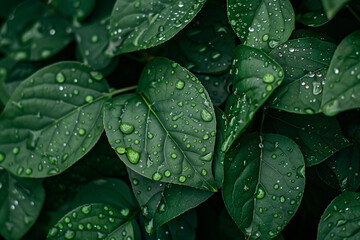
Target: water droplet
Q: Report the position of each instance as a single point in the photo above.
(301, 171)
(132, 155)
(89, 99)
(317, 88)
(265, 37)
(206, 157)
(60, 78)
(126, 128)
(16, 150)
(180, 84)
(182, 179)
(157, 176)
(96, 75)
(149, 226)
(336, 71)
(125, 212)
(215, 56)
(86, 209)
(282, 199)
(45, 53)
(81, 132)
(120, 150)
(206, 116)
(340, 222)
(69, 234)
(260, 194)
(94, 38)
(167, 173)
(268, 78)
(273, 43)
(53, 232)
(2, 156)
(28, 171)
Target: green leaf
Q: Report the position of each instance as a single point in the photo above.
(264, 183)
(342, 89)
(216, 86)
(94, 221)
(52, 119)
(21, 201)
(262, 24)
(78, 9)
(207, 44)
(7, 64)
(136, 25)
(333, 6)
(311, 13)
(92, 41)
(112, 191)
(341, 218)
(346, 167)
(35, 36)
(318, 136)
(165, 132)
(255, 76)
(7, 6)
(180, 228)
(157, 200)
(305, 70)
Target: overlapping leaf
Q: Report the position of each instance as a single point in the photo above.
(263, 183)
(167, 130)
(52, 119)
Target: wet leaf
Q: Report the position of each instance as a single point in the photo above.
(207, 44)
(318, 136)
(305, 62)
(311, 13)
(92, 41)
(264, 183)
(21, 201)
(140, 24)
(94, 221)
(333, 6)
(262, 24)
(52, 119)
(182, 227)
(156, 200)
(255, 76)
(165, 132)
(219, 155)
(342, 91)
(341, 218)
(34, 36)
(216, 86)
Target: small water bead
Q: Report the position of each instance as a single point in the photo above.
(16, 150)
(89, 99)
(180, 84)
(53, 232)
(81, 132)
(69, 234)
(265, 37)
(120, 150)
(28, 171)
(268, 78)
(94, 38)
(45, 53)
(96, 75)
(282, 199)
(132, 155)
(173, 155)
(260, 192)
(167, 173)
(203, 172)
(86, 209)
(206, 116)
(215, 56)
(126, 128)
(60, 78)
(157, 176)
(125, 212)
(2, 156)
(182, 179)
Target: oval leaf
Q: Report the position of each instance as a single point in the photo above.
(52, 119)
(21, 201)
(165, 132)
(341, 218)
(94, 221)
(255, 76)
(136, 25)
(263, 185)
(157, 200)
(342, 91)
(305, 62)
(262, 24)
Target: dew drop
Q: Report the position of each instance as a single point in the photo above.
(86, 209)
(2, 156)
(180, 84)
(126, 128)
(60, 78)
(132, 155)
(206, 116)
(260, 194)
(268, 78)
(157, 176)
(182, 179)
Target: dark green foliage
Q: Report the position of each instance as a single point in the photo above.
(180, 119)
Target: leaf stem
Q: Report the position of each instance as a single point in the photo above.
(121, 90)
(353, 12)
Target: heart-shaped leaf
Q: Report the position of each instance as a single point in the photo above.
(34, 36)
(305, 62)
(255, 76)
(136, 25)
(157, 200)
(342, 89)
(95, 221)
(262, 24)
(318, 136)
(52, 119)
(21, 201)
(263, 184)
(165, 132)
(341, 218)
